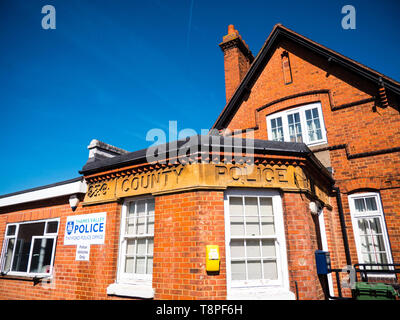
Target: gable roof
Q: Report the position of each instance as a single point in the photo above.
(278, 32)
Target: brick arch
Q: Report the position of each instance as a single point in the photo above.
(362, 185)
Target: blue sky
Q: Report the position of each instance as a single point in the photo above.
(113, 70)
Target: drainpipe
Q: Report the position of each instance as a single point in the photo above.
(343, 225)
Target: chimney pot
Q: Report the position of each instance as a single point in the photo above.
(231, 29)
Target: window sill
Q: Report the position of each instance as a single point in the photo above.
(26, 277)
(131, 290)
(260, 293)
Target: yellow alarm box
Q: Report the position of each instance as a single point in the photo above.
(212, 258)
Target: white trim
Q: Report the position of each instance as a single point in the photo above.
(301, 110)
(45, 193)
(130, 285)
(259, 289)
(130, 290)
(45, 235)
(325, 247)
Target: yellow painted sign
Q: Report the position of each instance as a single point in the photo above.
(198, 176)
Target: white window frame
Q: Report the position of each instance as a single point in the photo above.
(301, 110)
(123, 277)
(47, 235)
(263, 288)
(371, 214)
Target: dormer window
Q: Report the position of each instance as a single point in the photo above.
(302, 124)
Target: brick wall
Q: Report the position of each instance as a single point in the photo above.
(184, 224)
(302, 233)
(357, 123)
(72, 279)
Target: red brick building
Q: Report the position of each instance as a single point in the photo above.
(321, 173)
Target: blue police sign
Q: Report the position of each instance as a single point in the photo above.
(87, 228)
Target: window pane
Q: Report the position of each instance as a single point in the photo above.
(140, 265)
(371, 204)
(130, 219)
(8, 255)
(150, 224)
(252, 222)
(150, 246)
(254, 270)
(363, 226)
(295, 134)
(236, 213)
(359, 204)
(141, 225)
(129, 261)
(141, 246)
(237, 226)
(52, 227)
(266, 207)
(375, 226)
(267, 226)
(150, 218)
(267, 218)
(141, 207)
(11, 230)
(313, 125)
(149, 269)
(277, 129)
(237, 249)
(23, 246)
(131, 247)
(41, 255)
(253, 248)
(251, 206)
(238, 270)
(270, 270)
(235, 206)
(268, 248)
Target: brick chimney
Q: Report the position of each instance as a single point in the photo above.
(237, 60)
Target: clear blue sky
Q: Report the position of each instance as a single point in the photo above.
(113, 70)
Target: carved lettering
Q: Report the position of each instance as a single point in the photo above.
(163, 180)
(135, 183)
(282, 175)
(220, 170)
(235, 176)
(97, 190)
(125, 185)
(268, 174)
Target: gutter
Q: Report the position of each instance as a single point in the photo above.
(343, 225)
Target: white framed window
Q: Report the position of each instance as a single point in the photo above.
(29, 248)
(301, 124)
(137, 240)
(135, 261)
(369, 227)
(255, 245)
